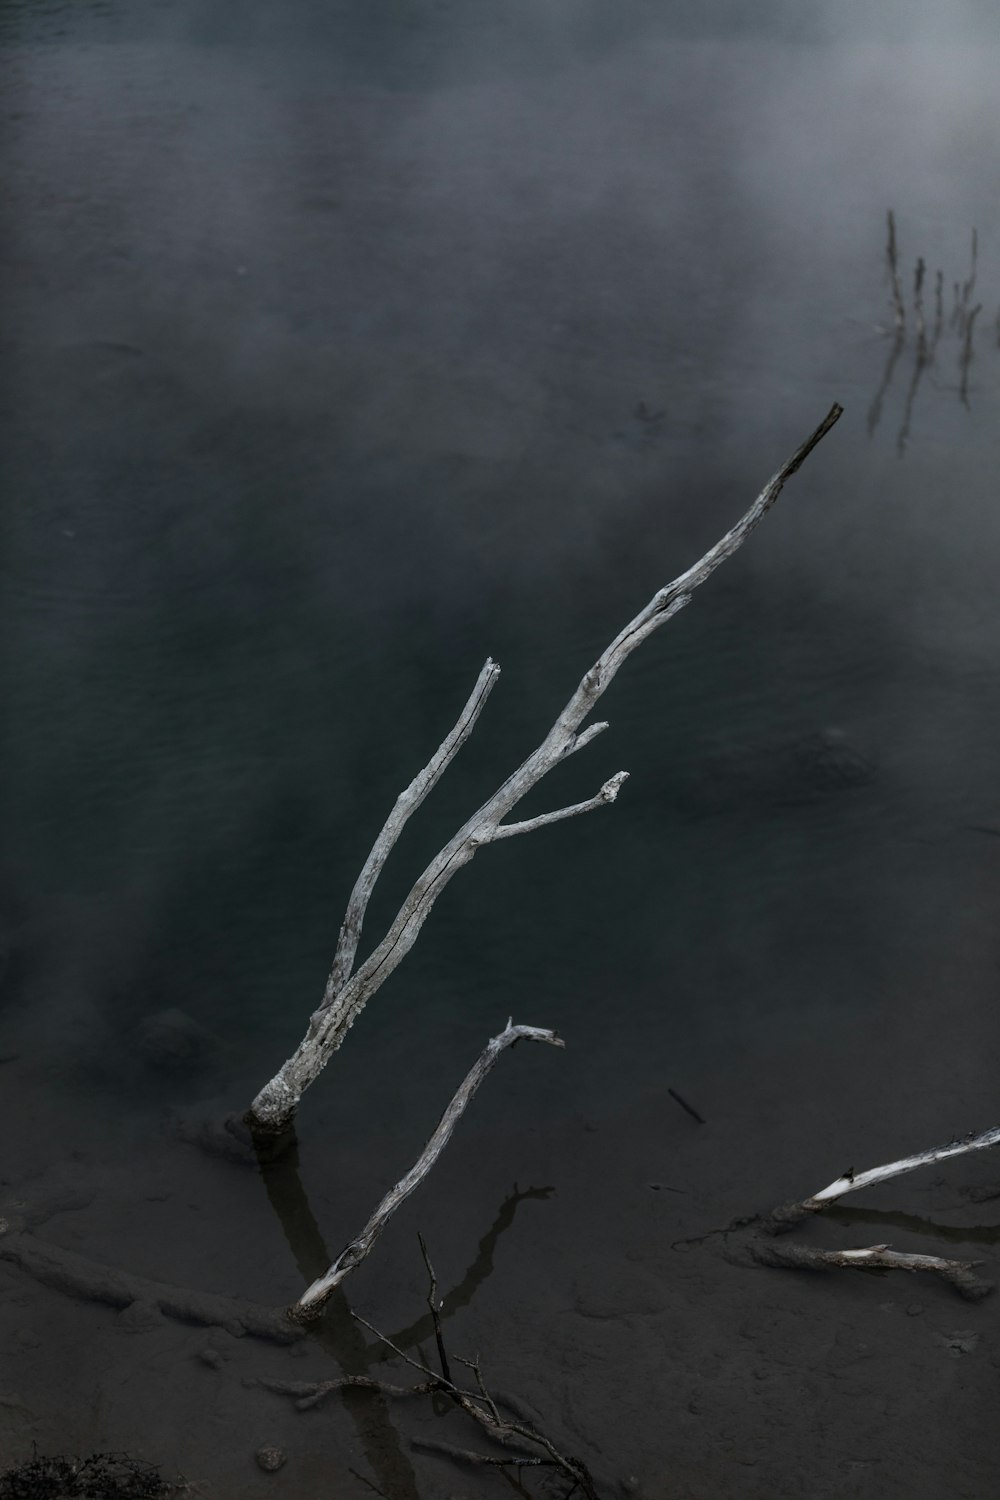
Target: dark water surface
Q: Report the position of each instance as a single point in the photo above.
(344, 346)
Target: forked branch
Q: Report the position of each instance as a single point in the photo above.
(345, 997)
(406, 805)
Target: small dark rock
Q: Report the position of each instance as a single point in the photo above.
(212, 1358)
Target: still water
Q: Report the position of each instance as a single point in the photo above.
(344, 347)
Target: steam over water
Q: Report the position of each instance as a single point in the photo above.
(345, 345)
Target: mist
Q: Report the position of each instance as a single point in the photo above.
(346, 344)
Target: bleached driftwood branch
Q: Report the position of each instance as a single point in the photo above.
(875, 1257)
(852, 1182)
(958, 1273)
(310, 1304)
(406, 805)
(348, 992)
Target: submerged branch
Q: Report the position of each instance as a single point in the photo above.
(791, 1214)
(958, 1273)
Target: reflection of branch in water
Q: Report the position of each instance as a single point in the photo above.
(973, 1234)
(962, 320)
(922, 357)
(287, 1196)
(967, 286)
(966, 360)
(338, 1333)
(482, 1267)
(875, 410)
(918, 301)
(938, 310)
(892, 255)
(911, 396)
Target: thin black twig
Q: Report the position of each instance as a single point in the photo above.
(435, 1309)
(685, 1105)
(892, 255)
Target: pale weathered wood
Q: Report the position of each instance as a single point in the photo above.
(958, 1273)
(274, 1106)
(405, 806)
(853, 1182)
(310, 1304)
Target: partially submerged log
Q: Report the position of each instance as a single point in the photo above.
(958, 1273)
(79, 1276)
(791, 1214)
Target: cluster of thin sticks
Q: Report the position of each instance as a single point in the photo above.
(516, 1431)
(961, 321)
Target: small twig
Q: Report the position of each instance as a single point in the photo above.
(685, 1105)
(435, 1309)
(473, 1365)
(608, 793)
(311, 1302)
(441, 1380)
(367, 1482)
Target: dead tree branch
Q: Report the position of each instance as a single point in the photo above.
(958, 1273)
(852, 1182)
(875, 1257)
(406, 805)
(274, 1106)
(310, 1304)
(892, 256)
